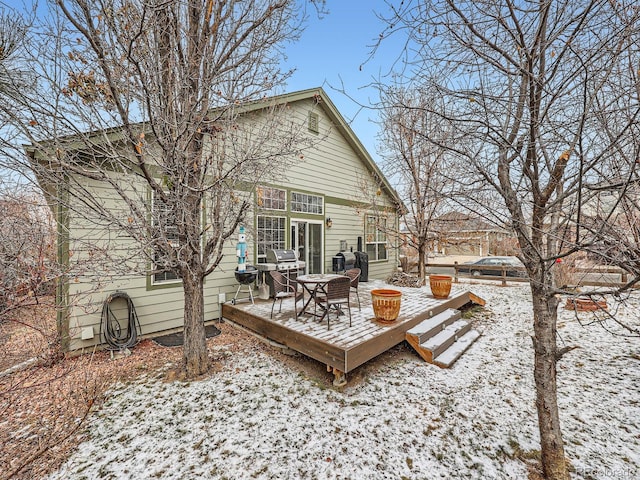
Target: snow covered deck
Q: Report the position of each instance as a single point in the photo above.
(342, 347)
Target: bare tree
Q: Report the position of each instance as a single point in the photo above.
(415, 161)
(14, 81)
(543, 97)
(27, 263)
(27, 257)
(13, 29)
(147, 103)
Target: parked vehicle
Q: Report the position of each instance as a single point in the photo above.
(493, 266)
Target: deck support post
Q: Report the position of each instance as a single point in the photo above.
(339, 377)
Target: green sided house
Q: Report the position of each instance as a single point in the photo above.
(322, 205)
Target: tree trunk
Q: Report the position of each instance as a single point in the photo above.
(422, 260)
(195, 347)
(545, 313)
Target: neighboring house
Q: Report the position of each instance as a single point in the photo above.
(317, 209)
(457, 233)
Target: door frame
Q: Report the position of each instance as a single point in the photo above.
(294, 221)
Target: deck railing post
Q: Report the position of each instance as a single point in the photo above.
(504, 276)
(455, 271)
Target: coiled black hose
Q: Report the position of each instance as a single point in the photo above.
(114, 335)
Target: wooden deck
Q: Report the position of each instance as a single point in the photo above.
(342, 347)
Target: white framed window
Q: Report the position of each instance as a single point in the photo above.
(270, 198)
(162, 215)
(305, 203)
(270, 234)
(376, 238)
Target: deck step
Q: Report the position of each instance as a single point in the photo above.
(434, 325)
(451, 354)
(442, 338)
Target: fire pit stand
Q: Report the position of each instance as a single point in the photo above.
(245, 278)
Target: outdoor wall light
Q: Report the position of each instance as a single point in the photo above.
(328, 222)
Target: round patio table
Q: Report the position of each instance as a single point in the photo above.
(313, 284)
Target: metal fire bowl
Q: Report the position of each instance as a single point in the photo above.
(248, 276)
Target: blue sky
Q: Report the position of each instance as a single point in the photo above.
(330, 53)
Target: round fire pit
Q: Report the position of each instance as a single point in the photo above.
(245, 278)
(585, 304)
(248, 276)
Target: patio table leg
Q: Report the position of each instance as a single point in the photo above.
(306, 304)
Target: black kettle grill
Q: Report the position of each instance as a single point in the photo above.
(245, 278)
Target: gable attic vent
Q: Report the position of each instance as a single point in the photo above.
(314, 121)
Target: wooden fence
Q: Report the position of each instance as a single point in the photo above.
(620, 277)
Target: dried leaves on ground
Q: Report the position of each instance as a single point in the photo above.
(401, 279)
(43, 406)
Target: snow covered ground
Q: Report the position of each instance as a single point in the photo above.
(258, 416)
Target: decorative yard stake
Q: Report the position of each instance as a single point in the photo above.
(241, 250)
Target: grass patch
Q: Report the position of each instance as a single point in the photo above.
(469, 312)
